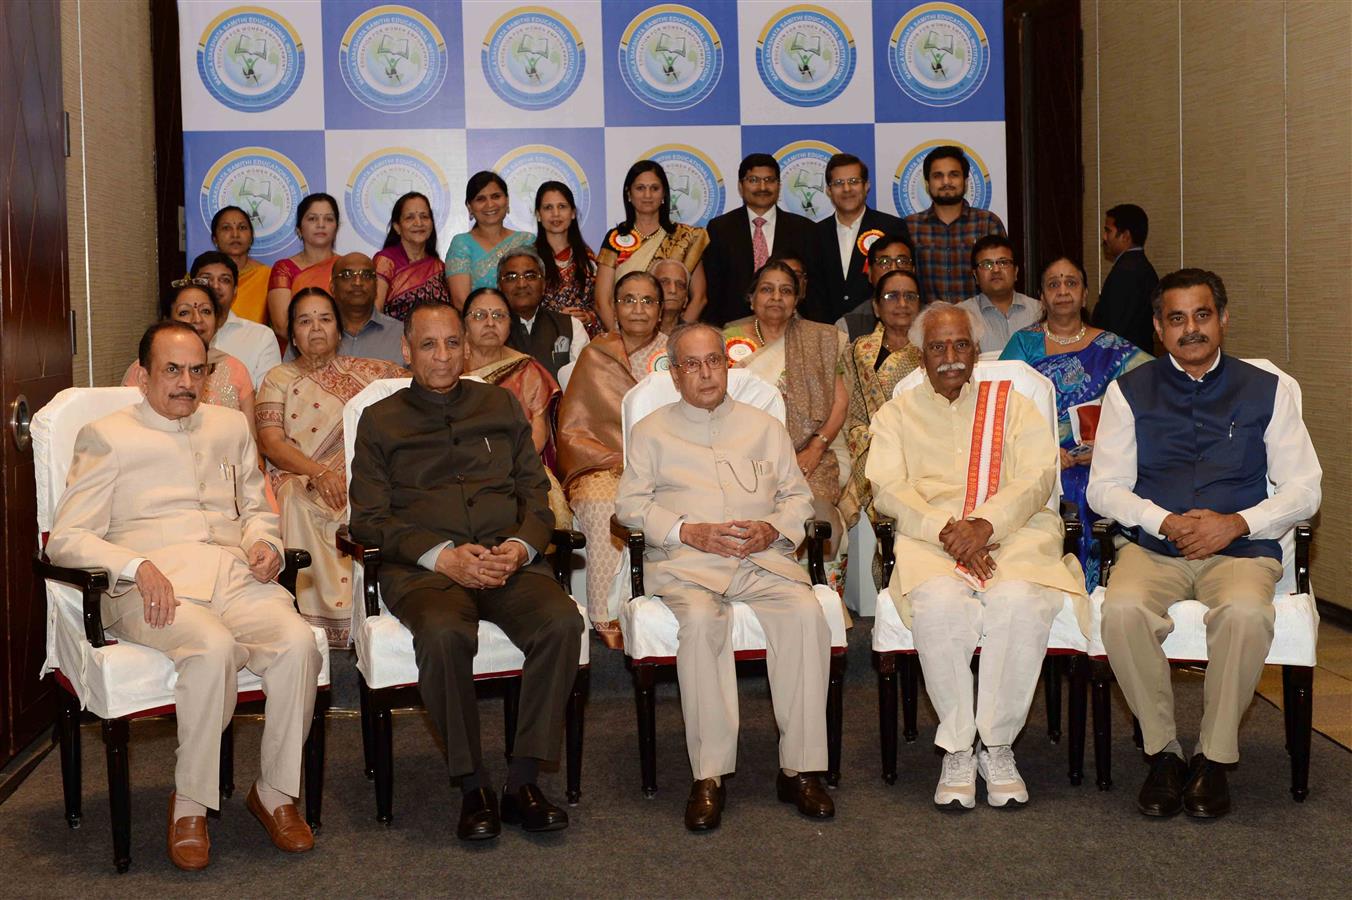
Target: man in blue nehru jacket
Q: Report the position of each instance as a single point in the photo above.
(1205, 462)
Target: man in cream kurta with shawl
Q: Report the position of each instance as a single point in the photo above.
(977, 549)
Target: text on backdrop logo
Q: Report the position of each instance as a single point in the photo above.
(266, 185)
(671, 57)
(526, 168)
(938, 54)
(805, 56)
(802, 178)
(533, 58)
(697, 191)
(393, 58)
(382, 178)
(908, 184)
(250, 59)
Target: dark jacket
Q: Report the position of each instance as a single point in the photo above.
(832, 293)
(728, 261)
(1124, 303)
(550, 339)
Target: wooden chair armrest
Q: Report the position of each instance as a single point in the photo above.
(369, 557)
(1304, 534)
(1074, 528)
(818, 533)
(633, 540)
(1104, 530)
(296, 559)
(92, 585)
(565, 541)
(885, 530)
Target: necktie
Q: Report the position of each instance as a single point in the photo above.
(760, 250)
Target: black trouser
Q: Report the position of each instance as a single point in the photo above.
(537, 616)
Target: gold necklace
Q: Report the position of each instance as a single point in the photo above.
(755, 323)
(1066, 341)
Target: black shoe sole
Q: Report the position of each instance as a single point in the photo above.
(1206, 813)
(702, 829)
(479, 836)
(1159, 813)
(953, 807)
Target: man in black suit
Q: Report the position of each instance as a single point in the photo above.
(742, 240)
(837, 280)
(1124, 303)
(888, 254)
(553, 338)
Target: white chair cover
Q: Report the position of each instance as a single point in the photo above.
(565, 374)
(120, 678)
(384, 646)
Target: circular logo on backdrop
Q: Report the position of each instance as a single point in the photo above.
(908, 184)
(393, 58)
(805, 56)
(382, 178)
(697, 192)
(250, 59)
(802, 178)
(263, 183)
(670, 57)
(939, 54)
(533, 58)
(526, 168)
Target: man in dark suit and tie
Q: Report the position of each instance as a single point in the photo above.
(742, 240)
(837, 282)
(1124, 303)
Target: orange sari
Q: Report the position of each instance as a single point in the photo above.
(251, 293)
(286, 274)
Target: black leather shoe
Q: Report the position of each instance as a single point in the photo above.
(805, 791)
(526, 806)
(1207, 795)
(704, 809)
(1162, 793)
(479, 819)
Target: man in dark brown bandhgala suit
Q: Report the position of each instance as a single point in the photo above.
(446, 480)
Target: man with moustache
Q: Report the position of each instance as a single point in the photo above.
(1205, 462)
(166, 496)
(1002, 309)
(966, 468)
(1124, 304)
(841, 242)
(888, 254)
(366, 331)
(253, 344)
(742, 240)
(945, 232)
(447, 482)
(553, 338)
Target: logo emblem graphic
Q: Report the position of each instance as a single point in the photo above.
(802, 178)
(805, 56)
(393, 59)
(263, 183)
(250, 59)
(533, 58)
(697, 191)
(908, 185)
(670, 57)
(382, 178)
(526, 168)
(939, 54)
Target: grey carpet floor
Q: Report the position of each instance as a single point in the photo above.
(885, 841)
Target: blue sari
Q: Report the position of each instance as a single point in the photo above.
(1080, 377)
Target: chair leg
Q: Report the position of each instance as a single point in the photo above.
(119, 790)
(1103, 726)
(367, 730)
(1299, 683)
(68, 734)
(886, 664)
(1136, 737)
(314, 762)
(228, 761)
(1286, 707)
(1079, 702)
(910, 692)
(573, 728)
(835, 718)
(511, 706)
(1052, 667)
(645, 698)
(382, 732)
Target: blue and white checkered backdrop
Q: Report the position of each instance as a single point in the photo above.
(366, 102)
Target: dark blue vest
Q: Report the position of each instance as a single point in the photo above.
(1199, 444)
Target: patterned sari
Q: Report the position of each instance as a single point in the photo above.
(307, 404)
(569, 294)
(685, 243)
(410, 282)
(467, 257)
(251, 293)
(1081, 376)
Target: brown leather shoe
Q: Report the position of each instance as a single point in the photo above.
(285, 826)
(189, 846)
(805, 791)
(704, 809)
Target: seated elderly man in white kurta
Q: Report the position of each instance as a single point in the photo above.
(978, 551)
(715, 486)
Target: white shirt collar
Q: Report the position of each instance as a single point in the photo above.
(768, 215)
(1214, 363)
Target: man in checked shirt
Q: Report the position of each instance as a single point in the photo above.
(945, 232)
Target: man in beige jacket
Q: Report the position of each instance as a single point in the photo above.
(715, 486)
(167, 497)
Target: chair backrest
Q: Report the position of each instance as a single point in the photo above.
(658, 390)
(1287, 584)
(54, 430)
(1026, 380)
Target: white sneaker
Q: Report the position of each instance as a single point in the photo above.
(957, 782)
(1003, 784)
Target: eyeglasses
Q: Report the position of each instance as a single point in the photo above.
(898, 296)
(355, 275)
(631, 300)
(200, 281)
(692, 364)
(895, 262)
(843, 182)
(756, 180)
(479, 315)
(1070, 283)
(987, 265)
(514, 277)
